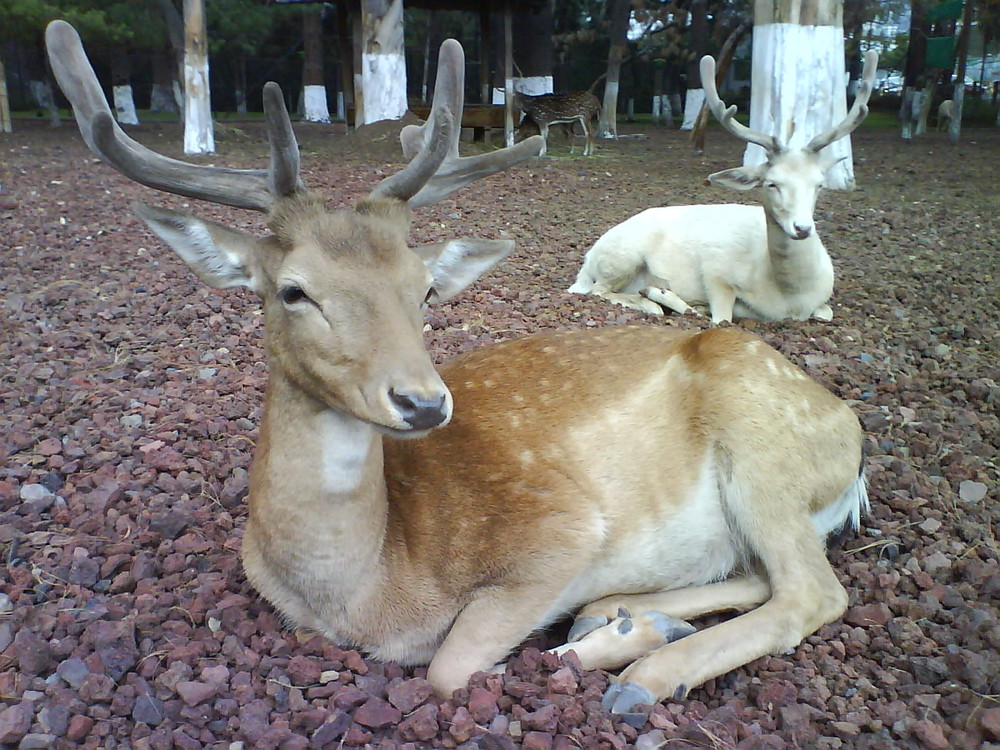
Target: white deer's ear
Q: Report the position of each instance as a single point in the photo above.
(455, 264)
(739, 178)
(826, 163)
(219, 256)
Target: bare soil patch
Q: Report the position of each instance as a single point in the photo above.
(131, 396)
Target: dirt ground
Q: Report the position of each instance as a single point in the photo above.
(131, 397)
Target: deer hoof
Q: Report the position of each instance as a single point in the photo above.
(584, 626)
(622, 697)
(671, 628)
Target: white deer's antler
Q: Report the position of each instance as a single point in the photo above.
(859, 110)
(727, 116)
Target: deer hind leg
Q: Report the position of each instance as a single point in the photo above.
(804, 591)
(607, 635)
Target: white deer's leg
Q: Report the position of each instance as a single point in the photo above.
(544, 130)
(667, 298)
(631, 300)
(823, 312)
(721, 299)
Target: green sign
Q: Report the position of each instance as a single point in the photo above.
(940, 52)
(946, 11)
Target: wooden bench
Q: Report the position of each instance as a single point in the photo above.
(482, 118)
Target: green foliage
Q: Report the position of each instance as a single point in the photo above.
(25, 20)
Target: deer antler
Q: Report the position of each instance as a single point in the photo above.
(436, 170)
(255, 189)
(859, 110)
(727, 117)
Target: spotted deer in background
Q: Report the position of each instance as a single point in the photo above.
(546, 110)
(639, 473)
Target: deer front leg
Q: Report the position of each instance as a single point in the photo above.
(492, 624)
(721, 300)
(823, 312)
(543, 128)
(667, 298)
(632, 300)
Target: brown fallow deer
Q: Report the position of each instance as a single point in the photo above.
(637, 472)
(545, 110)
(764, 262)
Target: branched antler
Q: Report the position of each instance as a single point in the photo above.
(727, 117)
(858, 111)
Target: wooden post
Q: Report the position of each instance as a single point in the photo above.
(198, 135)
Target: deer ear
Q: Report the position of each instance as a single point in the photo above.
(829, 162)
(219, 256)
(739, 178)
(455, 264)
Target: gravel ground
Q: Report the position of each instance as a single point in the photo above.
(131, 397)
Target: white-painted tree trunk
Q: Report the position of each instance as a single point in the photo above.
(316, 109)
(530, 85)
(199, 137)
(125, 106)
(5, 121)
(692, 106)
(383, 66)
(798, 90)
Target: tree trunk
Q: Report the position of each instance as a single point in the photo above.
(240, 83)
(345, 97)
(198, 135)
(40, 83)
(161, 98)
(695, 98)
(383, 65)
(791, 100)
(175, 33)
(121, 86)
(721, 71)
(314, 89)
(913, 74)
(619, 12)
(962, 52)
(508, 76)
(533, 52)
(5, 122)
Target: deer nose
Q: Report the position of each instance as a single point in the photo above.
(418, 412)
(802, 231)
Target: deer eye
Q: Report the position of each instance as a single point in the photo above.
(292, 294)
(771, 185)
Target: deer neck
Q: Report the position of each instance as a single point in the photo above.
(793, 262)
(317, 497)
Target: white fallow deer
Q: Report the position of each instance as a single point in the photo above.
(634, 472)
(764, 262)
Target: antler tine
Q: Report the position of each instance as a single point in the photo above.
(241, 188)
(727, 117)
(284, 170)
(436, 143)
(859, 110)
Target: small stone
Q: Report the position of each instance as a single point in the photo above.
(36, 493)
(462, 726)
(73, 671)
(971, 492)
(845, 730)
(79, 727)
(331, 730)
(562, 681)
(194, 693)
(217, 675)
(654, 740)
(131, 421)
(931, 735)
(408, 694)
(935, 561)
(377, 714)
(149, 710)
(868, 616)
(36, 741)
(34, 656)
(421, 725)
(930, 525)
(545, 719)
(328, 675)
(15, 722)
(536, 741)
(170, 524)
(989, 720)
(482, 705)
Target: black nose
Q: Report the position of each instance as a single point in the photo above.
(419, 413)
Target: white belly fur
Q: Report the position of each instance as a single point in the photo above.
(692, 548)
